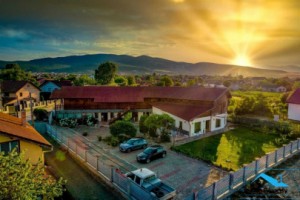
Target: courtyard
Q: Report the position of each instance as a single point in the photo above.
(183, 173)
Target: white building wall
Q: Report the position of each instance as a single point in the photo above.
(190, 125)
(294, 111)
(185, 124)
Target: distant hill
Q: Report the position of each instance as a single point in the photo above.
(139, 65)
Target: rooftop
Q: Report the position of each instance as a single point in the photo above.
(137, 94)
(295, 97)
(12, 126)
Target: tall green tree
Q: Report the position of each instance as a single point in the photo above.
(131, 80)
(122, 127)
(84, 80)
(19, 179)
(166, 81)
(105, 73)
(158, 124)
(16, 73)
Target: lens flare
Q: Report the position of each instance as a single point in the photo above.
(242, 61)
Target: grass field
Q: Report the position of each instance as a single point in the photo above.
(231, 149)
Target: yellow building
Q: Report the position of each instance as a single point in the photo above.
(15, 132)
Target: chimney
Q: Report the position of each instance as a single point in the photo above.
(23, 117)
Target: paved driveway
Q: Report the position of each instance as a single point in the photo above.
(181, 172)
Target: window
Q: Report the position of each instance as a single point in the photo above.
(137, 180)
(9, 146)
(218, 123)
(21, 94)
(197, 127)
(180, 125)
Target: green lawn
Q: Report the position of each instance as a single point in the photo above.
(231, 149)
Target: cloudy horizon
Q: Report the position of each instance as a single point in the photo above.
(258, 32)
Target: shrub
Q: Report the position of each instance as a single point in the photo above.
(122, 127)
(66, 122)
(123, 137)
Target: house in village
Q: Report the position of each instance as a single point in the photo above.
(17, 133)
(17, 94)
(196, 110)
(48, 86)
(294, 105)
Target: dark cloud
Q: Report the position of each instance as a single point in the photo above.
(201, 28)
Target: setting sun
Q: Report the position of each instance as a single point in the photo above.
(242, 61)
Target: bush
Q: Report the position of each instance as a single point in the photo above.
(123, 137)
(122, 127)
(110, 140)
(40, 114)
(66, 122)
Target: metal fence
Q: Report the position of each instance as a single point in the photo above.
(99, 162)
(232, 182)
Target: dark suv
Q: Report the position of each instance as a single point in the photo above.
(133, 144)
(151, 153)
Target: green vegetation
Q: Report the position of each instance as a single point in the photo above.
(105, 73)
(259, 103)
(19, 179)
(231, 149)
(123, 127)
(40, 114)
(15, 73)
(157, 126)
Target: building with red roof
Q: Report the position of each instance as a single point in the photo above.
(17, 133)
(196, 110)
(294, 105)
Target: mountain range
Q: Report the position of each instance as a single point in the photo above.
(143, 65)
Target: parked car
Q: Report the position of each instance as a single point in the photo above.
(148, 181)
(151, 153)
(133, 144)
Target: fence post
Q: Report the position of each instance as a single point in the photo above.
(283, 154)
(244, 173)
(256, 166)
(291, 150)
(298, 143)
(97, 166)
(214, 191)
(112, 174)
(276, 156)
(231, 178)
(267, 160)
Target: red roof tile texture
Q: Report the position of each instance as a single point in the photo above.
(138, 94)
(183, 111)
(11, 125)
(295, 97)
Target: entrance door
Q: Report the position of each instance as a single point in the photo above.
(207, 126)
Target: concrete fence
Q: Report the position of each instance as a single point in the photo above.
(97, 161)
(235, 180)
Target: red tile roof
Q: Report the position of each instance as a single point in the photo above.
(137, 94)
(11, 125)
(183, 111)
(295, 97)
(14, 86)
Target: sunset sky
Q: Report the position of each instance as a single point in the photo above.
(246, 32)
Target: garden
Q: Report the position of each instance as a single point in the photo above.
(241, 145)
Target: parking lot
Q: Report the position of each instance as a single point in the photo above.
(184, 174)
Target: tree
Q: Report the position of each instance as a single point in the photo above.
(121, 80)
(227, 83)
(19, 179)
(166, 81)
(158, 124)
(15, 73)
(131, 80)
(105, 73)
(191, 82)
(122, 127)
(84, 80)
(40, 114)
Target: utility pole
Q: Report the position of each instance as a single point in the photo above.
(31, 112)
